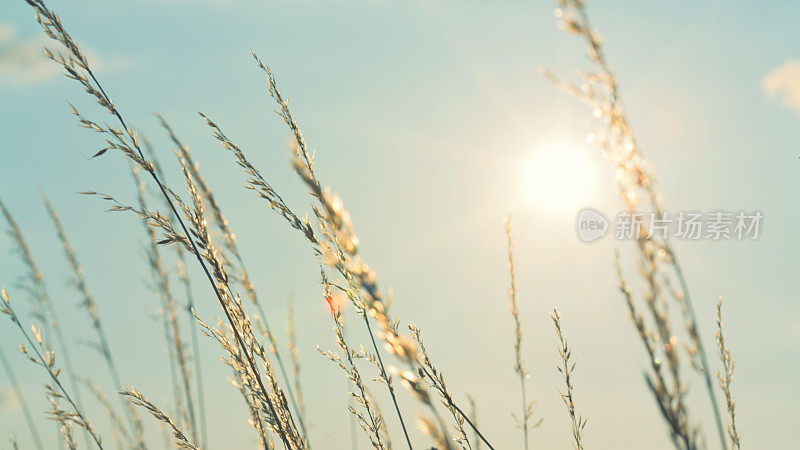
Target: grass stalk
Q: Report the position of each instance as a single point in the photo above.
(523, 421)
(177, 350)
(38, 288)
(77, 67)
(12, 379)
(294, 355)
(193, 325)
(725, 379)
(566, 369)
(600, 91)
(244, 279)
(198, 367)
(88, 303)
(45, 358)
(371, 424)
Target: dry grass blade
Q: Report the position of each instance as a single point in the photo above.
(273, 398)
(12, 379)
(181, 441)
(337, 246)
(294, 354)
(519, 367)
(599, 90)
(126, 141)
(88, 303)
(66, 434)
(257, 417)
(370, 420)
(725, 379)
(324, 250)
(242, 275)
(39, 353)
(177, 349)
(198, 368)
(184, 278)
(473, 413)
(668, 396)
(45, 311)
(118, 431)
(193, 220)
(566, 369)
(436, 380)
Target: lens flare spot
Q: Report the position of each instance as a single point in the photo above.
(561, 177)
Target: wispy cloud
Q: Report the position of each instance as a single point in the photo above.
(21, 60)
(784, 83)
(23, 63)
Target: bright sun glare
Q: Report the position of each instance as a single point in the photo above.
(560, 177)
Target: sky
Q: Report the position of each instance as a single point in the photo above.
(429, 119)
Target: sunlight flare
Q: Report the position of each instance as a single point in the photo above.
(560, 177)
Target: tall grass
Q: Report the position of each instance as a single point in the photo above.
(519, 368)
(567, 368)
(38, 352)
(658, 261)
(90, 306)
(26, 411)
(395, 358)
(44, 310)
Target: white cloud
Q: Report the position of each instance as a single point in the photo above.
(21, 60)
(784, 84)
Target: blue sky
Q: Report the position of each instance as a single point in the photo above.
(424, 117)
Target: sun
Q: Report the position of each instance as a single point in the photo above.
(560, 177)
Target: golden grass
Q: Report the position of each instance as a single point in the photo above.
(527, 407)
(274, 399)
(567, 368)
(725, 378)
